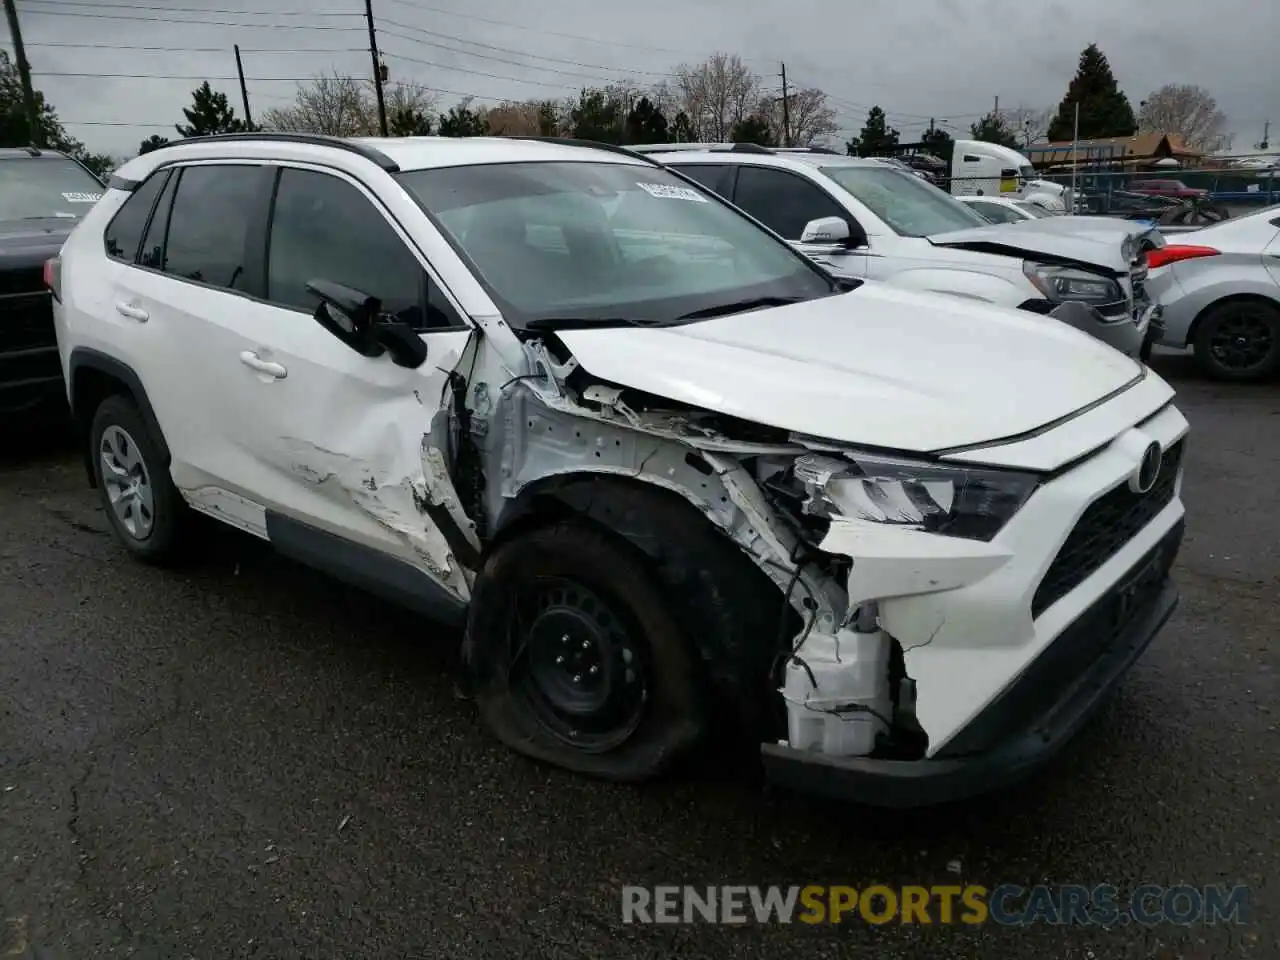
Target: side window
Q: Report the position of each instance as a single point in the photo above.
(713, 176)
(209, 223)
(152, 252)
(996, 213)
(124, 232)
(324, 228)
(783, 201)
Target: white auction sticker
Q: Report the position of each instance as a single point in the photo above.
(82, 197)
(668, 192)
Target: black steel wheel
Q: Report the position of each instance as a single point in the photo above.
(1239, 340)
(577, 667)
(576, 657)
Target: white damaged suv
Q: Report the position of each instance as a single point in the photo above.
(676, 479)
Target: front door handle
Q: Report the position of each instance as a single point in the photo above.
(132, 312)
(254, 362)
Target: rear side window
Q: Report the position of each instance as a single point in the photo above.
(783, 201)
(713, 176)
(209, 223)
(124, 232)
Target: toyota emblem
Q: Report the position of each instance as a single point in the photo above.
(1144, 478)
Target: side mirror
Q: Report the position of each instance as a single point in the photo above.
(356, 318)
(832, 233)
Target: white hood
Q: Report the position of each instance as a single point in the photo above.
(1092, 242)
(880, 367)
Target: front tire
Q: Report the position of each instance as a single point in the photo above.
(1239, 340)
(577, 659)
(138, 495)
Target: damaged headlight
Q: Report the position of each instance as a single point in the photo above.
(1062, 284)
(957, 501)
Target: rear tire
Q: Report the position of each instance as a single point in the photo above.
(1239, 340)
(577, 659)
(144, 507)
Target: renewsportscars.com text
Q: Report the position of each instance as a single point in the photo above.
(1006, 905)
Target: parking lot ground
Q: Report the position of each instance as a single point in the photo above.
(244, 759)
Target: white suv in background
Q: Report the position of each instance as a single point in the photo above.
(675, 477)
(870, 219)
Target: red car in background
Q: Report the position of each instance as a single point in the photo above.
(1174, 189)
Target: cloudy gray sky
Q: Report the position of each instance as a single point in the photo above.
(946, 59)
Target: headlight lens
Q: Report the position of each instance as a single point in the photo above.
(973, 503)
(1062, 284)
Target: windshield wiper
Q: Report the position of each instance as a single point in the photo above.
(584, 323)
(739, 306)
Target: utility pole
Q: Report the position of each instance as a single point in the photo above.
(1075, 148)
(786, 110)
(1266, 138)
(377, 67)
(24, 75)
(244, 92)
(995, 111)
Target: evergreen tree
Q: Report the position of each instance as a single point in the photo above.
(1104, 109)
(462, 121)
(993, 129)
(645, 123)
(597, 116)
(754, 129)
(210, 113)
(876, 138)
(153, 142)
(14, 129)
(406, 121)
(939, 143)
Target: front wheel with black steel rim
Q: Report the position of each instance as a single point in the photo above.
(1239, 340)
(576, 659)
(144, 507)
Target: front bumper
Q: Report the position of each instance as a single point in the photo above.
(1129, 335)
(1021, 730)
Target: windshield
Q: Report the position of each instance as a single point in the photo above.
(557, 241)
(911, 206)
(33, 188)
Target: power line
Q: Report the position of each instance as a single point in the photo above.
(168, 49)
(200, 23)
(511, 50)
(171, 76)
(553, 33)
(168, 9)
(481, 73)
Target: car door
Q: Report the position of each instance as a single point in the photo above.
(785, 202)
(330, 438)
(193, 274)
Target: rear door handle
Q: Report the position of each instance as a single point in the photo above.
(132, 312)
(254, 362)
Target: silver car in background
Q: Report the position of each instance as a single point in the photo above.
(1219, 287)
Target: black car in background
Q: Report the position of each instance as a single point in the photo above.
(43, 194)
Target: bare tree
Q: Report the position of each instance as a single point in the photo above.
(411, 97)
(1031, 124)
(336, 105)
(809, 115)
(717, 94)
(1188, 111)
(516, 119)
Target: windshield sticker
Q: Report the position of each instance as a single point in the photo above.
(668, 192)
(82, 197)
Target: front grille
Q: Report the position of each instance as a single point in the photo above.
(26, 321)
(1108, 524)
(1099, 634)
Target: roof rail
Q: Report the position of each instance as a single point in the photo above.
(593, 144)
(826, 150)
(313, 139)
(643, 148)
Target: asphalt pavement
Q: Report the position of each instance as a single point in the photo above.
(243, 759)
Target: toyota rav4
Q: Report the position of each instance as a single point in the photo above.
(675, 477)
